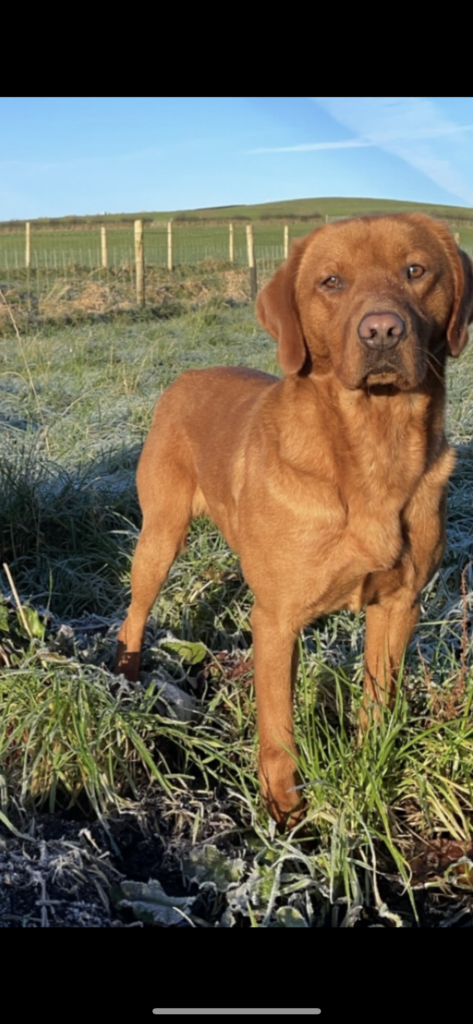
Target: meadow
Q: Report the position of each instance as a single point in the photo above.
(147, 794)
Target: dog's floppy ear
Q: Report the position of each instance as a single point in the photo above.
(277, 311)
(462, 311)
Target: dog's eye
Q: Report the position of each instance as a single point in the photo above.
(332, 282)
(415, 271)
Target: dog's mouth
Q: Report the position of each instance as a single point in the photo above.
(382, 376)
(385, 380)
(382, 389)
(382, 383)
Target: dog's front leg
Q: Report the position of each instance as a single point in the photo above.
(394, 604)
(389, 627)
(275, 656)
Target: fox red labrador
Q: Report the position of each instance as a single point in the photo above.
(331, 482)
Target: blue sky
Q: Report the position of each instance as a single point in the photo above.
(65, 155)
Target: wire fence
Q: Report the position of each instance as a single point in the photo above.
(57, 250)
(51, 274)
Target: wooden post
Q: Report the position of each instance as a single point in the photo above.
(251, 260)
(457, 237)
(139, 263)
(28, 245)
(103, 246)
(169, 244)
(231, 250)
(286, 241)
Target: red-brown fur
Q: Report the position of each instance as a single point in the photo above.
(331, 482)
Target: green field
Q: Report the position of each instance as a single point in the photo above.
(59, 250)
(82, 751)
(197, 235)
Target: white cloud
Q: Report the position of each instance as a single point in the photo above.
(411, 128)
(306, 147)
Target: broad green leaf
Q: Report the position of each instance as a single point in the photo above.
(206, 865)
(193, 652)
(289, 917)
(150, 904)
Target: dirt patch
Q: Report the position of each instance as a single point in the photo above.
(146, 868)
(74, 874)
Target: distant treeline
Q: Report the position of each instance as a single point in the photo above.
(297, 211)
(89, 223)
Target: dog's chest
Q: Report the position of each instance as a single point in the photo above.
(368, 544)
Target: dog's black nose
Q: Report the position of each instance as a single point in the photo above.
(381, 330)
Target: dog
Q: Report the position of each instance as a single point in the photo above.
(329, 483)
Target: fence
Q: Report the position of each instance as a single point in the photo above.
(49, 274)
(167, 244)
(106, 268)
(97, 270)
(114, 247)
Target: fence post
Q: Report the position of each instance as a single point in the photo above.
(251, 260)
(139, 263)
(103, 246)
(28, 245)
(457, 237)
(231, 249)
(169, 244)
(286, 241)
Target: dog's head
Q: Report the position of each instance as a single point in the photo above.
(375, 300)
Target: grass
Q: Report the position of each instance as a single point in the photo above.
(75, 405)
